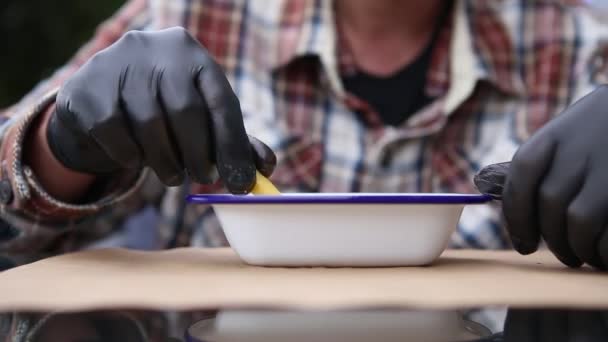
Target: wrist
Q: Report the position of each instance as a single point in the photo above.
(59, 181)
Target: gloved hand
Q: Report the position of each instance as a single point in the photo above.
(156, 99)
(557, 186)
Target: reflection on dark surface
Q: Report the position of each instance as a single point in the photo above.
(354, 326)
(556, 326)
(90, 327)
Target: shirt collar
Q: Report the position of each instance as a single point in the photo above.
(476, 47)
(481, 50)
(308, 29)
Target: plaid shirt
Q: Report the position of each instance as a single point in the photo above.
(499, 71)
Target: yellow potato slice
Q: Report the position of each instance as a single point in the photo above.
(263, 186)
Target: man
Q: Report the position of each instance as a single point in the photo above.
(382, 96)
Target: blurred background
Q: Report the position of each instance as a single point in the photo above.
(37, 36)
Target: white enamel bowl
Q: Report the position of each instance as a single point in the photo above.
(352, 229)
(352, 326)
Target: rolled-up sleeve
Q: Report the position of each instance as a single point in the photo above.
(30, 218)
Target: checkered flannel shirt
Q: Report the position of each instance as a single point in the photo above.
(499, 71)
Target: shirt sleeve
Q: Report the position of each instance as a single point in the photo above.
(31, 220)
(591, 71)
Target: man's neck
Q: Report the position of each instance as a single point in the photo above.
(386, 35)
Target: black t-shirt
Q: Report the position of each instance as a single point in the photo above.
(398, 96)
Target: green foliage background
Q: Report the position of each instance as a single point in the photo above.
(37, 36)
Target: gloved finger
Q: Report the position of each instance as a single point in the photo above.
(265, 159)
(491, 179)
(149, 124)
(522, 325)
(104, 113)
(233, 154)
(115, 139)
(82, 113)
(559, 187)
(587, 219)
(188, 118)
(520, 194)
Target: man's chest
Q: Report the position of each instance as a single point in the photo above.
(325, 144)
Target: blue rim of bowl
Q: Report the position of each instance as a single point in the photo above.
(342, 198)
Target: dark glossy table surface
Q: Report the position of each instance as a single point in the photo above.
(484, 324)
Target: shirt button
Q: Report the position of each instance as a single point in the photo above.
(6, 192)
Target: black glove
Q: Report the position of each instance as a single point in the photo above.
(156, 99)
(557, 186)
(556, 326)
